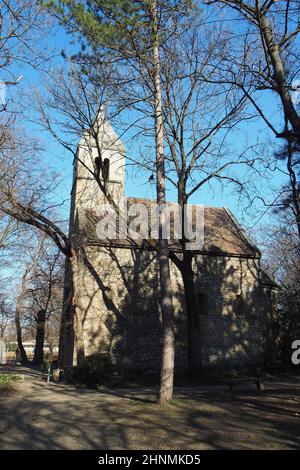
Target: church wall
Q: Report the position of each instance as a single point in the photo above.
(120, 307)
(118, 294)
(121, 313)
(233, 328)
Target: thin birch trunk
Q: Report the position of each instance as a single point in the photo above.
(168, 354)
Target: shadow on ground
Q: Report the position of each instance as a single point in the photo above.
(49, 416)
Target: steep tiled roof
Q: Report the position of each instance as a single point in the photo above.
(222, 233)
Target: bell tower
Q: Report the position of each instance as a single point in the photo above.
(104, 155)
(98, 151)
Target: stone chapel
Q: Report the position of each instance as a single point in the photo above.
(118, 292)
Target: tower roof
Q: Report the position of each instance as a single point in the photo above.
(107, 137)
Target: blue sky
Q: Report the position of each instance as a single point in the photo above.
(137, 183)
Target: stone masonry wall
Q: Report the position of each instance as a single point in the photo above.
(119, 303)
(233, 331)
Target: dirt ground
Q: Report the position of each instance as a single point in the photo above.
(56, 416)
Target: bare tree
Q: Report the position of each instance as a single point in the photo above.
(133, 42)
(18, 315)
(43, 296)
(20, 304)
(6, 315)
(26, 197)
(264, 60)
(22, 24)
(198, 118)
(192, 117)
(282, 260)
(268, 57)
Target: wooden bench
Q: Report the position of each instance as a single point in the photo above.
(257, 380)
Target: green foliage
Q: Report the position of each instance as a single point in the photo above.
(122, 26)
(8, 380)
(13, 347)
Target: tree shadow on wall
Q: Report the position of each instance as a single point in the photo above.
(233, 329)
(129, 309)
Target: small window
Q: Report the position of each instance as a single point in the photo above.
(105, 169)
(239, 305)
(202, 304)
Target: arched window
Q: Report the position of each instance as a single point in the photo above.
(105, 169)
(98, 166)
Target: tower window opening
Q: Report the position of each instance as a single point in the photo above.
(105, 169)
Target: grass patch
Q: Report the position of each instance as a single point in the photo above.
(8, 382)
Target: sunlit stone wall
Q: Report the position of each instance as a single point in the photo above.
(119, 304)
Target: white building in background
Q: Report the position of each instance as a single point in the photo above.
(30, 345)
(2, 352)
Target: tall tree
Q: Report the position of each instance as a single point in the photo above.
(26, 198)
(198, 118)
(282, 259)
(6, 315)
(167, 369)
(131, 34)
(22, 24)
(265, 59)
(44, 296)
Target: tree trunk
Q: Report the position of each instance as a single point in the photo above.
(280, 76)
(168, 354)
(21, 348)
(186, 269)
(295, 187)
(38, 357)
(193, 323)
(66, 332)
(72, 324)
